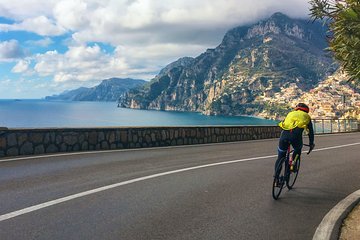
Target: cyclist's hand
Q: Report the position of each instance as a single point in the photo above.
(311, 147)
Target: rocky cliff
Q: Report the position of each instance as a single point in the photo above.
(250, 62)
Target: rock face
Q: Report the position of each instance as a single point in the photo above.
(250, 62)
(108, 90)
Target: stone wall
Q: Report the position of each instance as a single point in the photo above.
(14, 142)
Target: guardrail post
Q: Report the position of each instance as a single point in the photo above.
(331, 128)
(345, 125)
(323, 127)
(339, 125)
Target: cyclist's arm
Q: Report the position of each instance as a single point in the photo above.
(311, 133)
(311, 137)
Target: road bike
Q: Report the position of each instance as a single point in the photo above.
(286, 172)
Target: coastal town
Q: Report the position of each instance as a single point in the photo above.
(333, 98)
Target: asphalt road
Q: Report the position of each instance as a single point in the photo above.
(216, 201)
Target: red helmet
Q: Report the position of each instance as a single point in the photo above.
(302, 107)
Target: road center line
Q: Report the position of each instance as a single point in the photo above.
(96, 190)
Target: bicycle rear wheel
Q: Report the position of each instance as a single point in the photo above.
(292, 174)
(279, 178)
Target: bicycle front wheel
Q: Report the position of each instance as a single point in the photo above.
(279, 178)
(292, 174)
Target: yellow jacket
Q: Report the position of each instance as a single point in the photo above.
(295, 119)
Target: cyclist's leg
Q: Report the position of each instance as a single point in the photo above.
(283, 146)
(297, 143)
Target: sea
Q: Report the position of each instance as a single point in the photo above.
(19, 113)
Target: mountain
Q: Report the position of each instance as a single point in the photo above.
(68, 95)
(108, 90)
(250, 62)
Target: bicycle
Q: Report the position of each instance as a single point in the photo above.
(286, 172)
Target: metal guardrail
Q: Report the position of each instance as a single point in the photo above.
(335, 125)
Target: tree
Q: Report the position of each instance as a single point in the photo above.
(343, 20)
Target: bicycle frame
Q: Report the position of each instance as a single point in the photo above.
(289, 158)
(289, 175)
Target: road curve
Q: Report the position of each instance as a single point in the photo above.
(219, 191)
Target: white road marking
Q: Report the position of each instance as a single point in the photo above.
(334, 147)
(96, 190)
(327, 225)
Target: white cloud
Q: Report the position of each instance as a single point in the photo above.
(125, 22)
(140, 21)
(73, 14)
(48, 63)
(146, 34)
(157, 54)
(10, 50)
(80, 63)
(20, 10)
(21, 66)
(40, 25)
(45, 42)
(139, 14)
(89, 63)
(84, 53)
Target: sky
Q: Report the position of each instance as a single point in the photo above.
(48, 46)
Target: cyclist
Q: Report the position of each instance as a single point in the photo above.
(293, 126)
